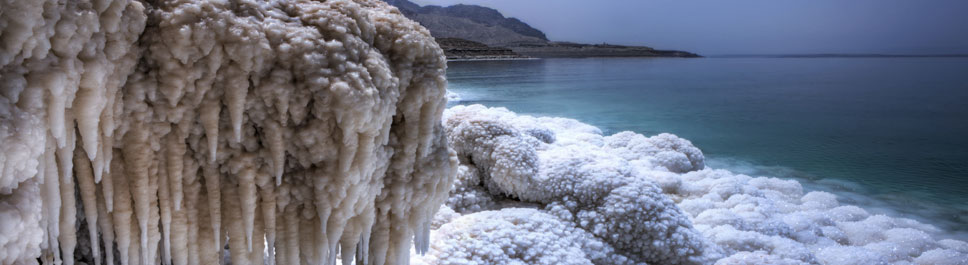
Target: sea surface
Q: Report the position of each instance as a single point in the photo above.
(887, 134)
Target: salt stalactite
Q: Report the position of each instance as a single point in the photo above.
(293, 131)
(292, 236)
(212, 184)
(154, 218)
(247, 194)
(164, 206)
(137, 160)
(68, 214)
(106, 227)
(122, 214)
(233, 226)
(52, 203)
(175, 151)
(191, 220)
(85, 181)
(268, 206)
(178, 238)
(207, 253)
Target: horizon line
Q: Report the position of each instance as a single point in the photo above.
(838, 55)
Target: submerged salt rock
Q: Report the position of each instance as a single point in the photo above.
(174, 102)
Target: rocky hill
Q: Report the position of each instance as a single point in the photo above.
(506, 37)
(470, 22)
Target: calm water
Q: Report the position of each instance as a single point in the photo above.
(889, 134)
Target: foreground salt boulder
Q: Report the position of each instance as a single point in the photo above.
(509, 236)
(185, 126)
(596, 192)
(651, 200)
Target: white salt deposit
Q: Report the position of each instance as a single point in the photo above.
(301, 132)
(647, 199)
(313, 127)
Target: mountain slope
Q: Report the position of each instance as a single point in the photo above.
(470, 22)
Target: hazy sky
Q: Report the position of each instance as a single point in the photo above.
(749, 26)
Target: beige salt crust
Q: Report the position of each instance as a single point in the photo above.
(184, 126)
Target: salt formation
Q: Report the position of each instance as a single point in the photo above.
(520, 234)
(290, 131)
(600, 193)
(554, 187)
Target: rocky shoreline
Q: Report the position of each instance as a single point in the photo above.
(578, 50)
(461, 49)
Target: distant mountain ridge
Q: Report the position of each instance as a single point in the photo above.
(470, 22)
(472, 25)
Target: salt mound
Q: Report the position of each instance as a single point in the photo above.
(509, 236)
(505, 160)
(313, 127)
(651, 200)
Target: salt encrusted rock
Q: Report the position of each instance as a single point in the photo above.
(666, 150)
(596, 191)
(619, 189)
(60, 62)
(510, 236)
(311, 126)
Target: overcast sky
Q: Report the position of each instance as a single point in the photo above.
(714, 27)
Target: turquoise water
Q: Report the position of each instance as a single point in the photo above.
(888, 134)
